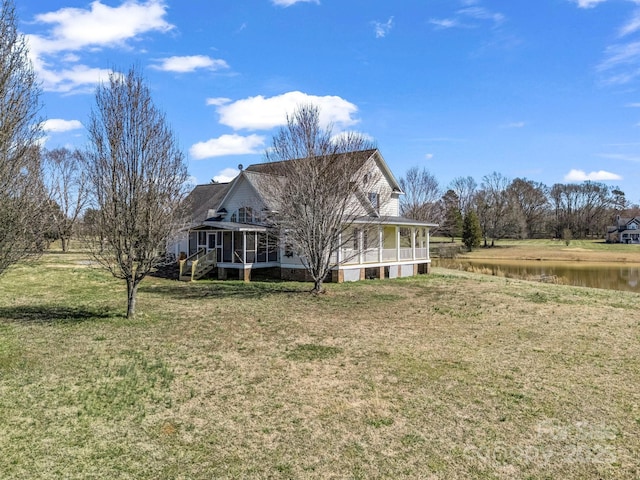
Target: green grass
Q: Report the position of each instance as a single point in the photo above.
(449, 375)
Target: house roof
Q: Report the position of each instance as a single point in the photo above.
(274, 168)
(204, 198)
(278, 168)
(212, 196)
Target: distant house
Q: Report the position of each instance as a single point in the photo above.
(626, 230)
(229, 232)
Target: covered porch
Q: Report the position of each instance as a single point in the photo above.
(384, 250)
(230, 246)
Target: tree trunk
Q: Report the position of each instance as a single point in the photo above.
(317, 287)
(132, 290)
(64, 243)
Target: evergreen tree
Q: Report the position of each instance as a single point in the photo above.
(451, 225)
(471, 231)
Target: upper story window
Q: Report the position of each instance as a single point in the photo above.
(246, 215)
(374, 198)
(633, 226)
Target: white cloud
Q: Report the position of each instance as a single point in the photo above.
(227, 145)
(190, 63)
(288, 3)
(469, 17)
(191, 181)
(260, 113)
(632, 26)
(444, 22)
(581, 176)
(481, 13)
(428, 156)
(622, 63)
(77, 79)
(102, 25)
(218, 101)
(620, 54)
(59, 125)
(74, 30)
(382, 29)
(226, 175)
(347, 136)
(621, 156)
(587, 3)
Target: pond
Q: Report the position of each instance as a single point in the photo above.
(612, 276)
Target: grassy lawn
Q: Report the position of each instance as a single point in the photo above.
(449, 375)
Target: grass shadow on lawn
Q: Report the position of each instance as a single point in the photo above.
(226, 289)
(44, 314)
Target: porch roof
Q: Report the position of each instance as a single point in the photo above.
(232, 226)
(391, 221)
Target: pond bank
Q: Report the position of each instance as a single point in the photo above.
(554, 250)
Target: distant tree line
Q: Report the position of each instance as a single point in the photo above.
(513, 208)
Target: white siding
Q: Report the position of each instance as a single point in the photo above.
(243, 195)
(389, 200)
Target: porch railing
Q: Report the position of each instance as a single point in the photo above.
(351, 257)
(197, 264)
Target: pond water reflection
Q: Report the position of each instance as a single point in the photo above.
(612, 276)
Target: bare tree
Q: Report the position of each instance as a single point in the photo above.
(529, 200)
(421, 195)
(21, 200)
(582, 208)
(314, 185)
(465, 189)
(66, 182)
(496, 215)
(137, 176)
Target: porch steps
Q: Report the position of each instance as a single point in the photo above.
(197, 265)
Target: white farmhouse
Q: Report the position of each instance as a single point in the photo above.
(229, 232)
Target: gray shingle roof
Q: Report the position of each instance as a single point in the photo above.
(204, 198)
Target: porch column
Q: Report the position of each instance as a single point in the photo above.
(339, 252)
(360, 245)
(413, 243)
(428, 241)
(244, 248)
(380, 243)
(397, 244)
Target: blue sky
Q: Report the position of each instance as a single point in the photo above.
(546, 90)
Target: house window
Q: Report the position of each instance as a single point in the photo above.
(272, 249)
(633, 226)
(374, 198)
(202, 239)
(288, 250)
(251, 247)
(245, 215)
